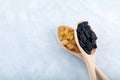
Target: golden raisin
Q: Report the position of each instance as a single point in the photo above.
(64, 42)
(66, 36)
(70, 46)
(66, 31)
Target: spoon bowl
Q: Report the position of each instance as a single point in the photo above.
(72, 52)
(89, 59)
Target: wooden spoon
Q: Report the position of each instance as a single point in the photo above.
(99, 73)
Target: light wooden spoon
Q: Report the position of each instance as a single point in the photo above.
(89, 59)
(99, 73)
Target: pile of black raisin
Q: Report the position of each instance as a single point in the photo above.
(86, 37)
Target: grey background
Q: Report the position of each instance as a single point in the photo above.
(29, 49)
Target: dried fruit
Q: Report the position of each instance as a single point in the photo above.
(66, 31)
(93, 35)
(69, 29)
(69, 34)
(71, 37)
(70, 46)
(61, 29)
(87, 38)
(62, 33)
(73, 42)
(66, 36)
(64, 42)
(76, 49)
(82, 44)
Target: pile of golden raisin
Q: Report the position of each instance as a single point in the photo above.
(66, 36)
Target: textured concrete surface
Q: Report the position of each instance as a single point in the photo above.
(28, 46)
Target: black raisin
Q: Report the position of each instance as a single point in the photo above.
(86, 50)
(87, 38)
(82, 44)
(85, 23)
(83, 38)
(89, 45)
(93, 35)
(79, 29)
(87, 34)
(88, 27)
(94, 45)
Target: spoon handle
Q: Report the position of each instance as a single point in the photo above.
(91, 70)
(100, 74)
